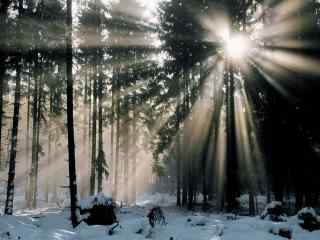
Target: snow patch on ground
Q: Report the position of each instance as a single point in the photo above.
(54, 224)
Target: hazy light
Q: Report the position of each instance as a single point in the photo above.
(150, 12)
(237, 47)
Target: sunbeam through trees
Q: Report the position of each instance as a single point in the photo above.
(210, 102)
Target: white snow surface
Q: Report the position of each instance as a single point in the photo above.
(54, 224)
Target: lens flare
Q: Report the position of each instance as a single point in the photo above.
(237, 46)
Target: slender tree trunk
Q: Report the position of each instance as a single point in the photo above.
(55, 172)
(184, 162)
(178, 150)
(134, 147)
(94, 137)
(2, 73)
(206, 152)
(127, 133)
(27, 186)
(190, 156)
(74, 205)
(232, 180)
(112, 134)
(48, 175)
(3, 18)
(101, 158)
(116, 166)
(252, 209)
(90, 91)
(84, 176)
(14, 142)
(34, 161)
(38, 121)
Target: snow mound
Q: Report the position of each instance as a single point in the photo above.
(96, 200)
(307, 210)
(308, 219)
(274, 212)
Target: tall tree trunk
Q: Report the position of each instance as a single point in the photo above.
(184, 138)
(187, 142)
(14, 142)
(84, 175)
(126, 141)
(34, 158)
(90, 91)
(36, 171)
(178, 150)
(112, 159)
(206, 152)
(3, 56)
(101, 157)
(186, 193)
(74, 205)
(232, 180)
(55, 171)
(134, 148)
(116, 166)
(94, 136)
(49, 164)
(48, 175)
(2, 75)
(27, 184)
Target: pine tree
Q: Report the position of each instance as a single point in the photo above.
(74, 205)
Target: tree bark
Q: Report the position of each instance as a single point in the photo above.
(126, 140)
(112, 134)
(252, 209)
(94, 137)
(27, 184)
(14, 142)
(101, 158)
(134, 146)
(35, 193)
(34, 157)
(74, 205)
(3, 18)
(116, 166)
(48, 175)
(231, 163)
(2, 75)
(178, 153)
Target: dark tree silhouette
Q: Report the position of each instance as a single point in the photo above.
(70, 122)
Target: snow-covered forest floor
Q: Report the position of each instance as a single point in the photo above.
(53, 223)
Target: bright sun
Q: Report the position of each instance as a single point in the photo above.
(237, 46)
